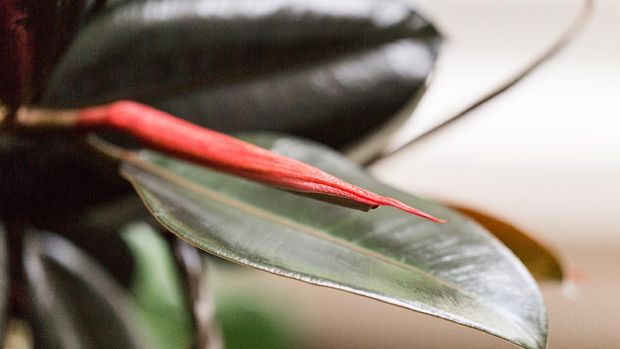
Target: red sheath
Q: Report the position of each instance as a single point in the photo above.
(176, 136)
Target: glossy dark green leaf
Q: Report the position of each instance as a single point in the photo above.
(4, 280)
(541, 261)
(455, 271)
(328, 70)
(74, 303)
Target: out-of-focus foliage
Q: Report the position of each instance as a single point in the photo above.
(247, 323)
(158, 289)
(542, 263)
(67, 288)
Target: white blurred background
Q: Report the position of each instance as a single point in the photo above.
(544, 156)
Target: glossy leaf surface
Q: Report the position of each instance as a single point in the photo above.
(542, 263)
(328, 70)
(455, 271)
(66, 288)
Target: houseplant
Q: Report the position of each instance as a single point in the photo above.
(157, 52)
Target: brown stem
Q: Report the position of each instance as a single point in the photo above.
(4, 115)
(203, 307)
(46, 118)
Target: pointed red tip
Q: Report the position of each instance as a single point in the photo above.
(402, 206)
(417, 212)
(207, 147)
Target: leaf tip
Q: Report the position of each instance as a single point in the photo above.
(415, 211)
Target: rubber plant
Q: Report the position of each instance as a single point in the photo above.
(86, 84)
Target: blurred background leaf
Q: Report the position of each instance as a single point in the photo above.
(158, 289)
(541, 262)
(66, 289)
(250, 322)
(384, 254)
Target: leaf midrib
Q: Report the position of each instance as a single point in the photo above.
(277, 219)
(194, 187)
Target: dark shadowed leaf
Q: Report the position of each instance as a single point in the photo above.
(39, 175)
(39, 184)
(455, 271)
(4, 281)
(95, 229)
(328, 70)
(33, 34)
(542, 263)
(66, 288)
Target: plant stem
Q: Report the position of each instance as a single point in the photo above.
(566, 38)
(195, 269)
(46, 118)
(4, 114)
